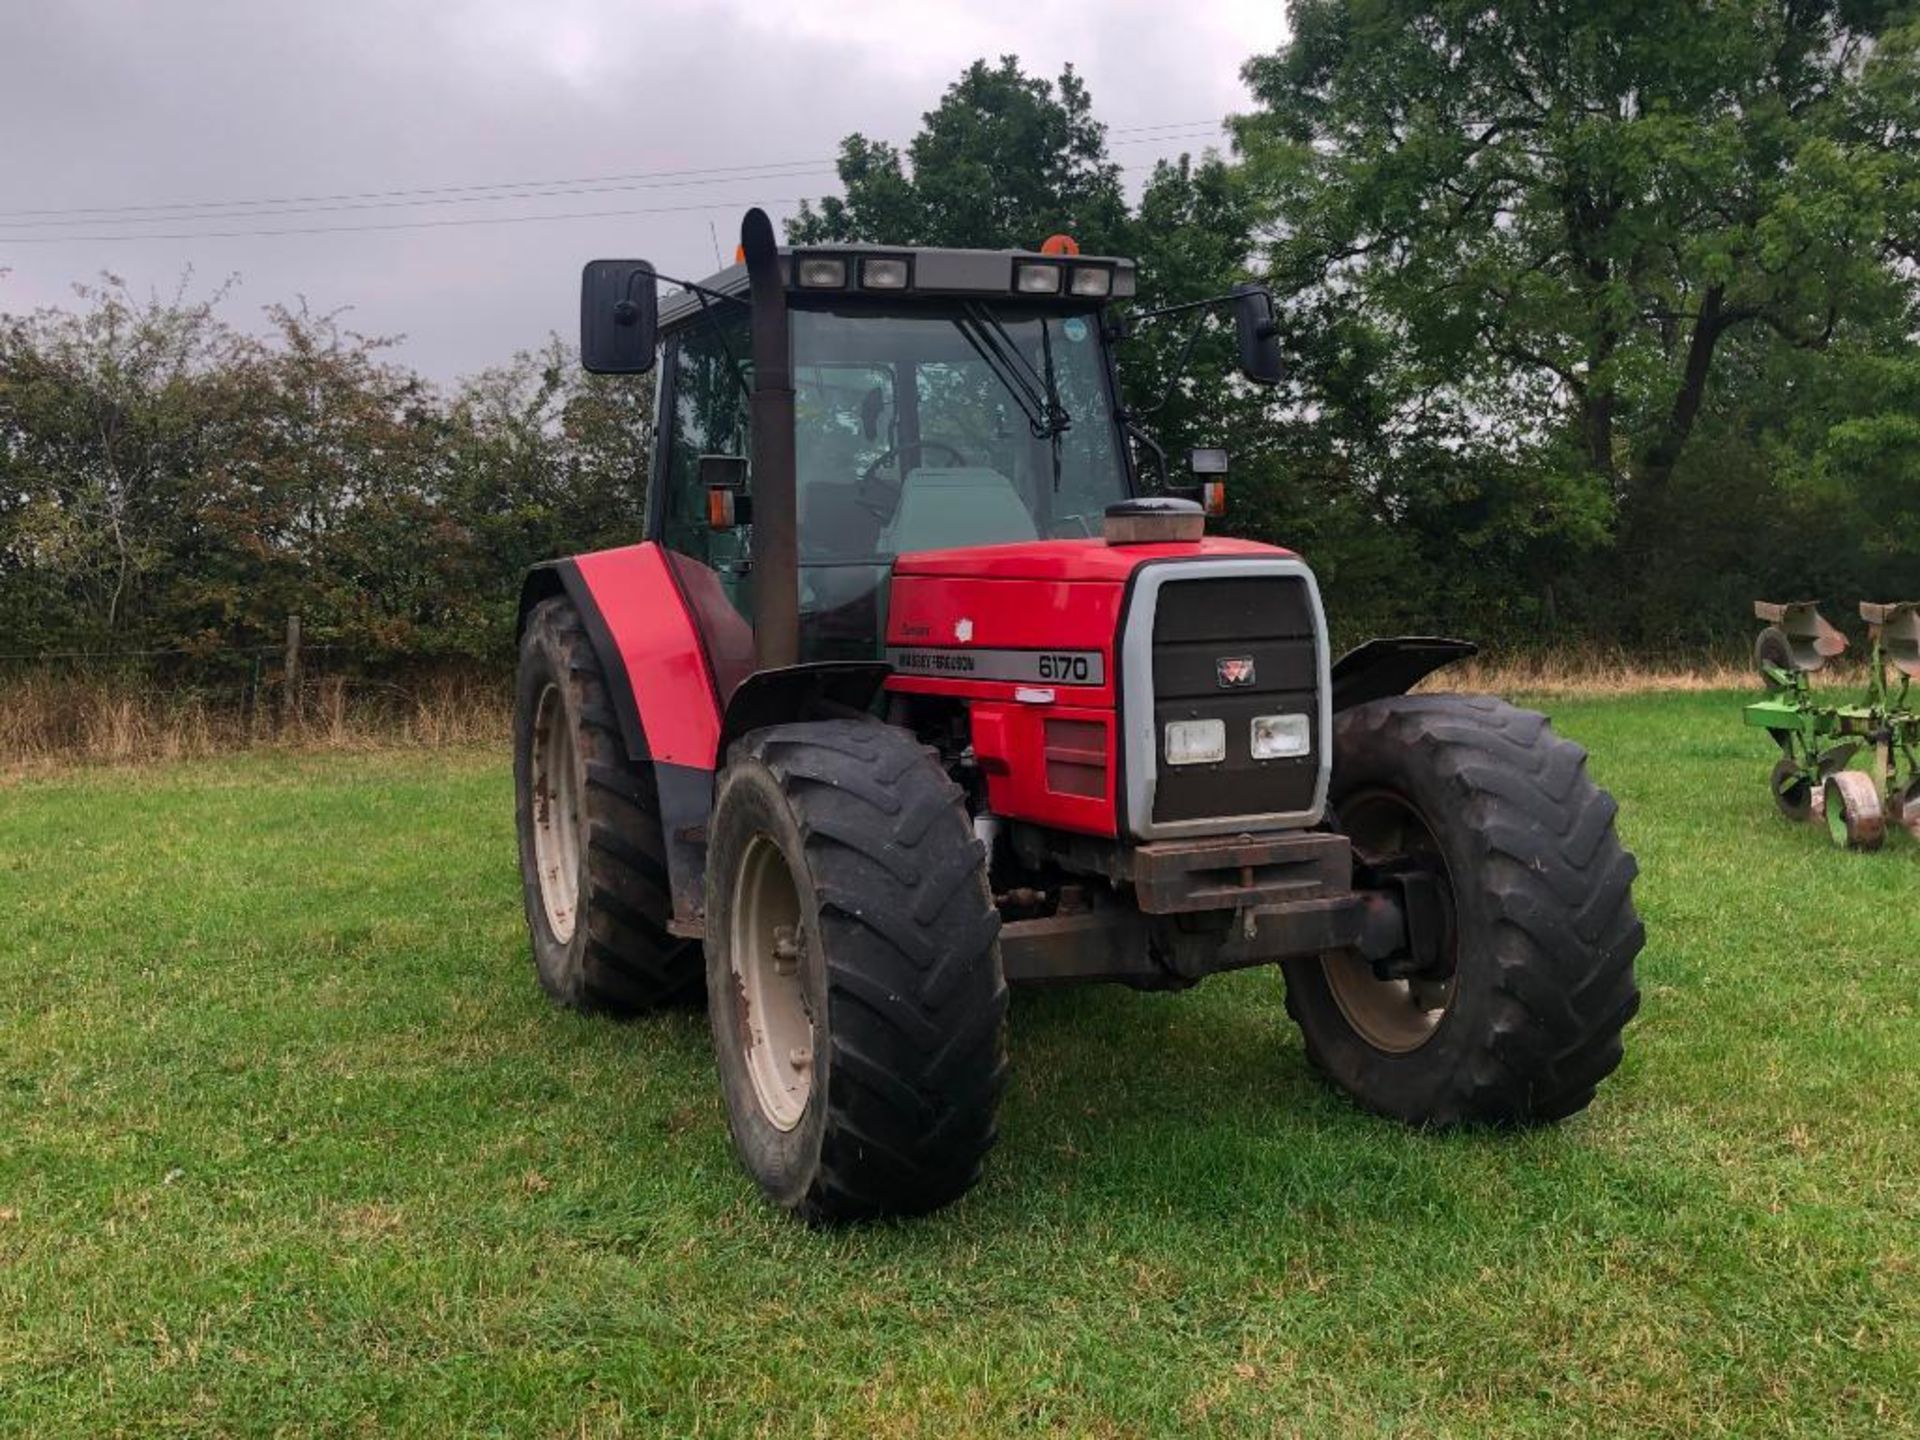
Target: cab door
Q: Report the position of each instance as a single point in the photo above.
(705, 382)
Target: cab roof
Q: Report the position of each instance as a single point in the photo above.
(929, 271)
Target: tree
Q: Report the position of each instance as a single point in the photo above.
(107, 412)
(168, 483)
(1562, 215)
(1004, 160)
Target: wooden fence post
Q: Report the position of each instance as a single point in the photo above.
(292, 697)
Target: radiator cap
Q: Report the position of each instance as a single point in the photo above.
(1154, 520)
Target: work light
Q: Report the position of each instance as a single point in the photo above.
(1092, 280)
(1037, 279)
(883, 273)
(1196, 742)
(820, 272)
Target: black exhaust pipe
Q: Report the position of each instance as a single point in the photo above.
(776, 542)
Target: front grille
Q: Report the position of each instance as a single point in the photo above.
(1200, 622)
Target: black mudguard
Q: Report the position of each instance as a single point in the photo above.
(825, 690)
(1392, 665)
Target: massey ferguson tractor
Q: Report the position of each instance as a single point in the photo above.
(919, 688)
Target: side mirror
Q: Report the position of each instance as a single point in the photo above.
(619, 316)
(724, 478)
(1258, 333)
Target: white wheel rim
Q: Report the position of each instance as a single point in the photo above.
(556, 814)
(767, 954)
(1394, 1016)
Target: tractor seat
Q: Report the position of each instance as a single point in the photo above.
(942, 507)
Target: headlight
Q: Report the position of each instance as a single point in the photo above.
(818, 272)
(1196, 742)
(1281, 737)
(1037, 279)
(883, 273)
(1091, 280)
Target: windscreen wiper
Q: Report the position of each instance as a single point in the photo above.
(1032, 407)
(1056, 412)
(1036, 393)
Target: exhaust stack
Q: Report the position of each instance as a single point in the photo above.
(776, 546)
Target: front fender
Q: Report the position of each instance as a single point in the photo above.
(1392, 665)
(800, 692)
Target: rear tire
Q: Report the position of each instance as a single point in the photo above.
(1542, 933)
(593, 872)
(850, 927)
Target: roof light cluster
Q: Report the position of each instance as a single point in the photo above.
(1093, 282)
(896, 272)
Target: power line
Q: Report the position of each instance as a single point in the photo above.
(559, 189)
(374, 199)
(443, 223)
(548, 194)
(393, 224)
(512, 189)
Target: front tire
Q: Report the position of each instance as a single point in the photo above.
(593, 873)
(858, 1006)
(1521, 1020)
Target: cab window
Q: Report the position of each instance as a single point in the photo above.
(708, 416)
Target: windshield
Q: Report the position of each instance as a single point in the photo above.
(969, 425)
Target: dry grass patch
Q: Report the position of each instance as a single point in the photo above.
(93, 719)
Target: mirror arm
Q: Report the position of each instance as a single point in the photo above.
(1179, 369)
(1140, 435)
(1133, 316)
(704, 292)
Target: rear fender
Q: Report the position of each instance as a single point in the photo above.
(661, 687)
(1392, 666)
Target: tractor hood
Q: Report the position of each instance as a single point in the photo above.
(1069, 560)
(1072, 657)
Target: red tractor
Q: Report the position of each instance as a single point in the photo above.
(912, 694)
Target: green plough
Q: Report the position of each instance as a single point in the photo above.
(1818, 741)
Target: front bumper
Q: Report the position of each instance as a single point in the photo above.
(1203, 906)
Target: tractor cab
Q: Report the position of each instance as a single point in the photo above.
(921, 420)
(938, 399)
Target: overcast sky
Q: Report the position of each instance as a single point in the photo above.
(109, 104)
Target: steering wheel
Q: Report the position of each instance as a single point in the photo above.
(878, 495)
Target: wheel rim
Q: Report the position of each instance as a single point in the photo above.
(1856, 818)
(556, 814)
(1393, 1015)
(767, 953)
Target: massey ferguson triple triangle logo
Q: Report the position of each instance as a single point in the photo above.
(1235, 671)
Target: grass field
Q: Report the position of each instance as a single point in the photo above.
(289, 1141)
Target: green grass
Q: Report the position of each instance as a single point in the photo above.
(289, 1141)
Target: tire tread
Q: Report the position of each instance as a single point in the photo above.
(919, 1058)
(1558, 889)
